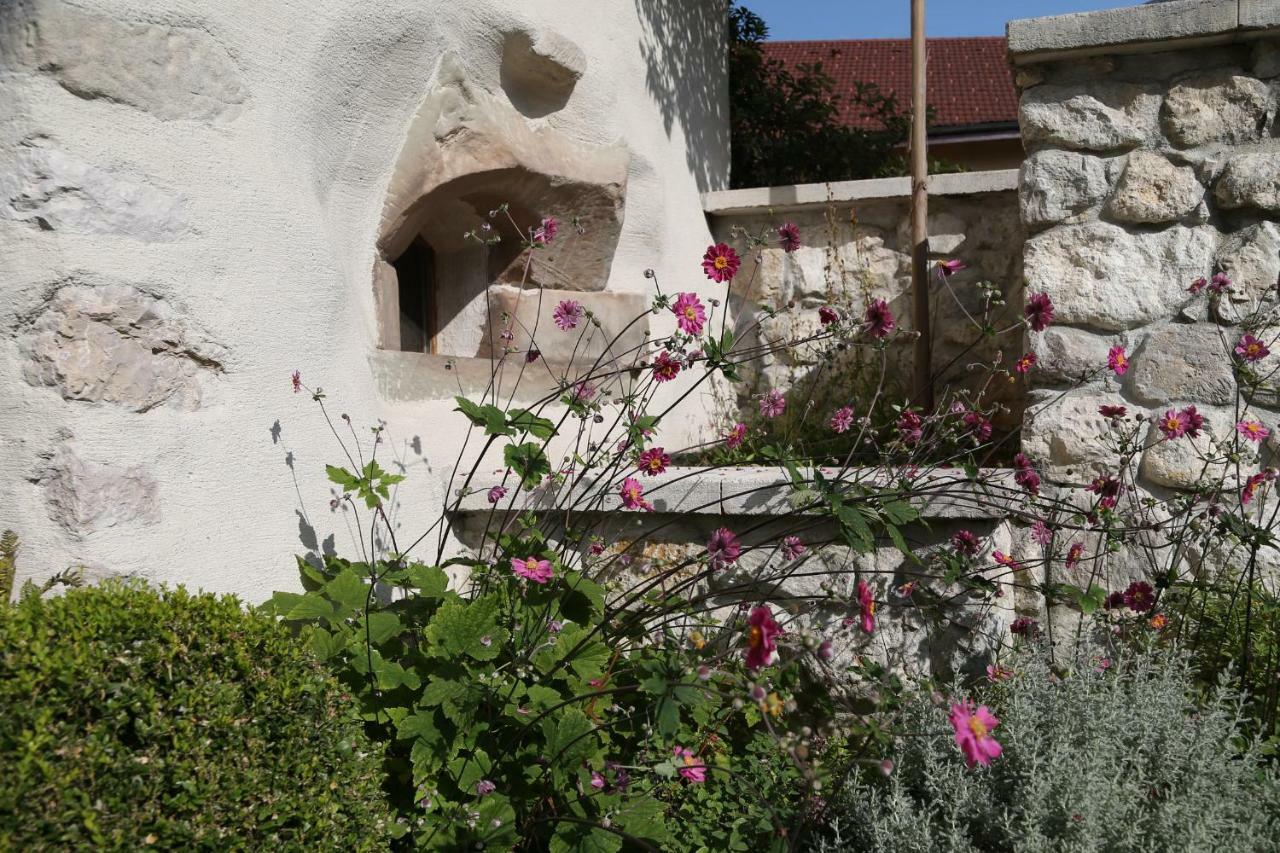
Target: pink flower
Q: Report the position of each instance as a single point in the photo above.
(690, 314)
(735, 436)
(567, 314)
(484, 786)
(597, 780)
(1251, 349)
(723, 548)
(1197, 285)
(1117, 360)
(841, 419)
(1039, 311)
(496, 494)
(789, 237)
(1006, 560)
(828, 315)
(1106, 488)
(910, 427)
(973, 733)
(964, 543)
(1024, 626)
(792, 547)
(546, 231)
(665, 368)
(1173, 424)
(878, 322)
(633, 495)
(1024, 364)
(1073, 554)
(1112, 411)
(866, 608)
(998, 673)
(1251, 487)
(297, 381)
(1252, 430)
(773, 404)
(531, 356)
(826, 650)
(1041, 533)
(531, 568)
(653, 461)
(1195, 421)
(691, 768)
(1139, 597)
(720, 263)
(1025, 475)
(950, 268)
(1219, 283)
(978, 425)
(761, 633)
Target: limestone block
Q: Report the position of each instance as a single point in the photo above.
(1251, 258)
(1064, 354)
(57, 192)
(116, 344)
(170, 72)
(1188, 362)
(1100, 275)
(532, 324)
(539, 70)
(84, 496)
(1109, 116)
(1064, 437)
(1056, 185)
(1180, 463)
(1250, 180)
(1151, 190)
(1221, 106)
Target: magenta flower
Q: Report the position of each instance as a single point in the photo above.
(826, 650)
(1041, 533)
(720, 263)
(973, 733)
(665, 368)
(531, 356)
(1024, 364)
(653, 461)
(1112, 411)
(632, 494)
(841, 419)
(910, 427)
(735, 436)
(866, 608)
(1197, 285)
(690, 314)
(828, 315)
(496, 494)
(978, 425)
(1251, 349)
(1173, 424)
(789, 237)
(1039, 311)
(691, 768)
(567, 314)
(1252, 430)
(1108, 489)
(484, 786)
(1117, 360)
(531, 568)
(597, 780)
(773, 404)
(1006, 560)
(1251, 487)
(762, 632)
(1025, 474)
(723, 548)
(1024, 626)
(878, 321)
(964, 543)
(1140, 597)
(1219, 283)
(1195, 421)
(1073, 554)
(998, 673)
(546, 231)
(950, 268)
(792, 547)
(297, 381)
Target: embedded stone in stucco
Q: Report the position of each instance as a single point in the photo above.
(114, 343)
(1065, 354)
(1180, 463)
(1250, 180)
(84, 497)
(1102, 276)
(54, 191)
(1056, 185)
(533, 326)
(1151, 190)
(1108, 116)
(171, 72)
(1251, 258)
(1063, 436)
(1183, 362)
(539, 70)
(1221, 106)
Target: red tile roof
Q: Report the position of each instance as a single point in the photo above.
(969, 80)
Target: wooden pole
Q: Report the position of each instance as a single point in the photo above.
(922, 357)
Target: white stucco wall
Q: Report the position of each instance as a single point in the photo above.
(203, 182)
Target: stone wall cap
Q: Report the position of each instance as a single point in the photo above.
(1151, 26)
(797, 196)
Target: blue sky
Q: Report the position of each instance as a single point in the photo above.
(844, 19)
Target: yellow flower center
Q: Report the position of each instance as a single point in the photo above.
(721, 262)
(755, 637)
(689, 313)
(1172, 423)
(697, 639)
(978, 728)
(690, 761)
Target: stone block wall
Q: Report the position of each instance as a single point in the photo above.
(1151, 162)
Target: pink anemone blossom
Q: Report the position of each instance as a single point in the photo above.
(762, 633)
(1251, 349)
(632, 493)
(973, 733)
(531, 568)
(567, 314)
(1252, 430)
(828, 315)
(653, 461)
(866, 608)
(723, 548)
(1039, 311)
(792, 548)
(841, 419)
(691, 767)
(735, 436)
(720, 263)
(690, 313)
(878, 320)
(773, 404)
(789, 237)
(1118, 361)
(665, 368)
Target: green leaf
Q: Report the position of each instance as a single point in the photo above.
(667, 715)
(312, 606)
(463, 627)
(527, 461)
(420, 725)
(855, 529)
(349, 482)
(896, 535)
(524, 421)
(325, 645)
(643, 817)
(570, 737)
(582, 838)
(383, 625)
(348, 591)
(429, 581)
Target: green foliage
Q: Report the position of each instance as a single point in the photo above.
(1099, 755)
(785, 128)
(8, 564)
(134, 717)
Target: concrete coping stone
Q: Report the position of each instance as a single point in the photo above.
(1155, 26)
(759, 490)
(797, 196)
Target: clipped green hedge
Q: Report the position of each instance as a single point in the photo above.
(133, 718)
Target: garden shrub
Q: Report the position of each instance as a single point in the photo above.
(1104, 754)
(135, 717)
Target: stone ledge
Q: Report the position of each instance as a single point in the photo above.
(1137, 29)
(758, 490)
(795, 196)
